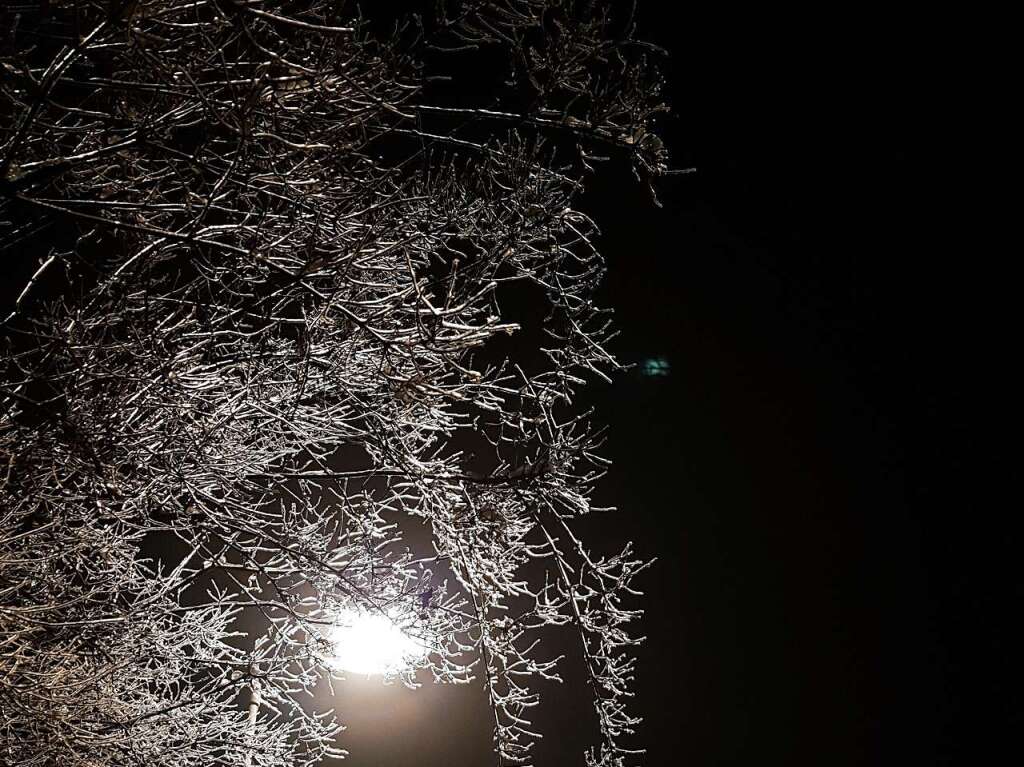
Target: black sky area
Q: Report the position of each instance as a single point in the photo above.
(833, 587)
(834, 584)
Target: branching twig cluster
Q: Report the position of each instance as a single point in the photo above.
(293, 258)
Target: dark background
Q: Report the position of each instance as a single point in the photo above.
(835, 581)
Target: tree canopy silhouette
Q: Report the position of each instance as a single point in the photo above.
(305, 277)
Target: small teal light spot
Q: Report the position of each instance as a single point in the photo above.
(655, 366)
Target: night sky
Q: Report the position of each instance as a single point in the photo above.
(836, 583)
(832, 586)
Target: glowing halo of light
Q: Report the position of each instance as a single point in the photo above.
(372, 644)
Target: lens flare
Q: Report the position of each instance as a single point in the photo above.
(371, 643)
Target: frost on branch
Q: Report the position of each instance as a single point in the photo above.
(285, 251)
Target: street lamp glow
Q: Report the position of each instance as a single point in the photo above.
(371, 643)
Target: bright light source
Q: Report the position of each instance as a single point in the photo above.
(371, 643)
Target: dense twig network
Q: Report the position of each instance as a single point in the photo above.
(289, 241)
